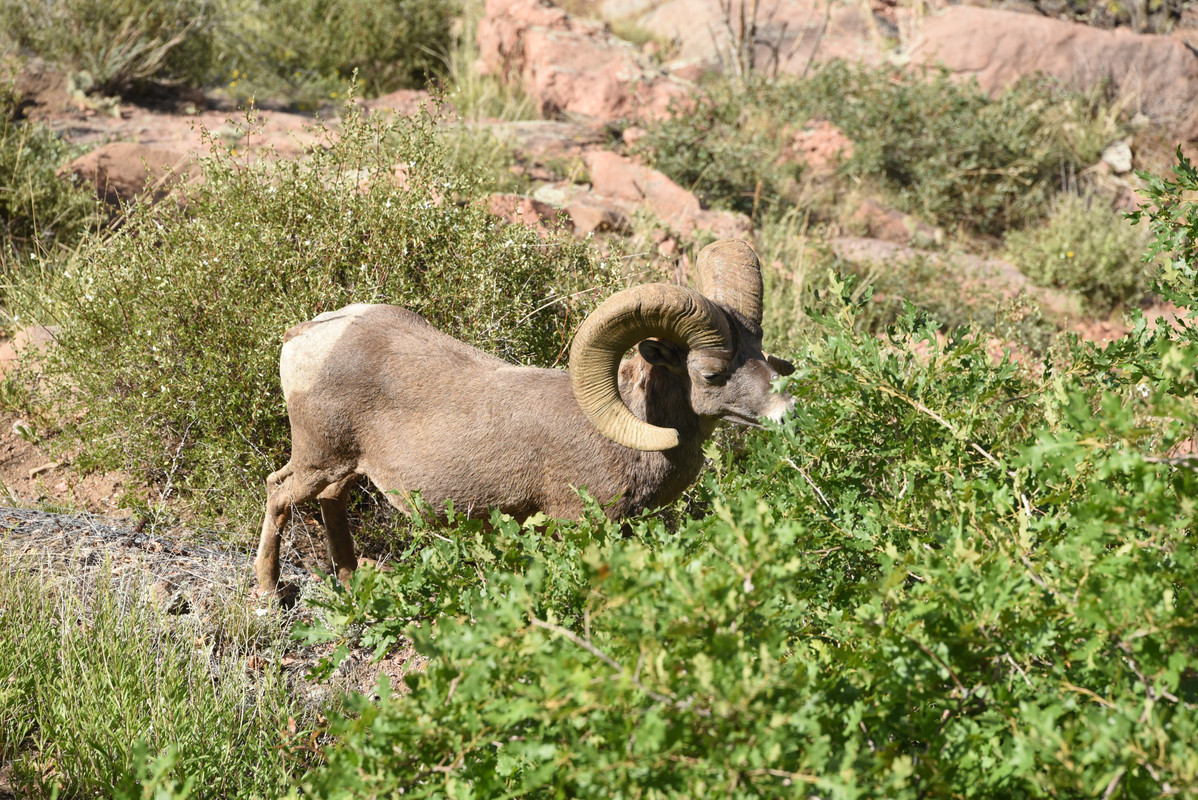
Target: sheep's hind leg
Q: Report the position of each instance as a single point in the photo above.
(284, 489)
(336, 527)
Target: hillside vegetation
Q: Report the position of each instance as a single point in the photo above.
(955, 571)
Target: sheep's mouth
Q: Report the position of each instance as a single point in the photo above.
(742, 419)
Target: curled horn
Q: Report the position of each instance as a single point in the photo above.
(729, 273)
(681, 315)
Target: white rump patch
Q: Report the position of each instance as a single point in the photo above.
(303, 356)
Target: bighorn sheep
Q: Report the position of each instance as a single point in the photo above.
(375, 390)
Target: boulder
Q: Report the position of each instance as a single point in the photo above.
(790, 35)
(572, 66)
(636, 185)
(517, 209)
(41, 91)
(999, 47)
(589, 211)
(122, 171)
(888, 224)
(820, 147)
(592, 214)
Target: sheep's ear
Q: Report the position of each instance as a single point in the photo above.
(663, 354)
(780, 365)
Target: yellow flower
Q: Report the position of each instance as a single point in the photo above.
(1069, 254)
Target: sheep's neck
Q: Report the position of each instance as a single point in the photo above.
(662, 398)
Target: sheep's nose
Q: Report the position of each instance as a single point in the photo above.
(782, 405)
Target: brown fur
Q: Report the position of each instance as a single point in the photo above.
(415, 410)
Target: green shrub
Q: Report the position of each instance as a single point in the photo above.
(39, 211)
(307, 50)
(170, 330)
(942, 577)
(942, 150)
(1172, 216)
(1084, 247)
(102, 695)
(948, 152)
(119, 42)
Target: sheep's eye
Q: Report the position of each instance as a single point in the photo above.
(715, 377)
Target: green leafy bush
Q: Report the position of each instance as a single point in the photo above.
(39, 211)
(1087, 248)
(1172, 216)
(309, 49)
(170, 329)
(119, 42)
(942, 576)
(921, 585)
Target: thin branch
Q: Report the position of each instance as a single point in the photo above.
(1189, 460)
(807, 478)
(918, 406)
(941, 662)
(611, 662)
(1113, 785)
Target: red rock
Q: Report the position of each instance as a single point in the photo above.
(572, 66)
(591, 214)
(888, 224)
(821, 147)
(123, 171)
(632, 135)
(406, 103)
(791, 34)
(514, 208)
(999, 47)
(615, 176)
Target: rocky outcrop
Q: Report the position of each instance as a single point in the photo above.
(820, 147)
(790, 34)
(882, 222)
(517, 209)
(997, 48)
(970, 272)
(620, 188)
(123, 171)
(636, 185)
(572, 66)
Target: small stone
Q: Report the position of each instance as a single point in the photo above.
(1118, 156)
(38, 470)
(633, 135)
(169, 598)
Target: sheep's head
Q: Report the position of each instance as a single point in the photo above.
(712, 336)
